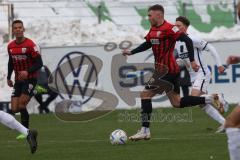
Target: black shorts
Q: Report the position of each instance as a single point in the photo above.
(24, 87)
(166, 83)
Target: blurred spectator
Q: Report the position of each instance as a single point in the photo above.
(42, 88)
(238, 9)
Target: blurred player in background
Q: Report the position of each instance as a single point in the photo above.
(232, 123)
(200, 79)
(162, 38)
(42, 88)
(25, 60)
(9, 121)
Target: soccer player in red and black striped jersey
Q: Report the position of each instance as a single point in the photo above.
(25, 60)
(162, 38)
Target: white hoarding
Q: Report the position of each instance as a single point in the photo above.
(119, 77)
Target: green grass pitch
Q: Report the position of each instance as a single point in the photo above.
(187, 136)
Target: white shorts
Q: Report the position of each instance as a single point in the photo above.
(201, 82)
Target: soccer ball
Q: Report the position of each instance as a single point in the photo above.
(118, 137)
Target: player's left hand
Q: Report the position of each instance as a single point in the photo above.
(126, 52)
(10, 83)
(233, 60)
(221, 69)
(23, 75)
(194, 66)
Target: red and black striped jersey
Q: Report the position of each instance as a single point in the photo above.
(23, 55)
(163, 39)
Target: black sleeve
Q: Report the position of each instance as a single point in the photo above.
(47, 71)
(36, 65)
(142, 47)
(189, 44)
(10, 67)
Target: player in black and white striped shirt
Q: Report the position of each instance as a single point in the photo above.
(201, 79)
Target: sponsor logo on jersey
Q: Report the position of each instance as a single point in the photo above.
(19, 57)
(175, 29)
(203, 43)
(24, 50)
(35, 48)
(155, 41)
(158, 33)
(183, 55)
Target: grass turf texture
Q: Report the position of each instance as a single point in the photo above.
(192, 137)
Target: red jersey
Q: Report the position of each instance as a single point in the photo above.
(23, 55)
(163, 39)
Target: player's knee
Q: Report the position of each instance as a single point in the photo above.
(144, 95)
(229, 123)
(23, 103)
(176, 105)
(22, 106)
(14, 108)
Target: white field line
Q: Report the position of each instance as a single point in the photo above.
(14, 143)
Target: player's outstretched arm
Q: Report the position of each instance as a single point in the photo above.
(233, 60)
(216, 57)
(142, 47)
